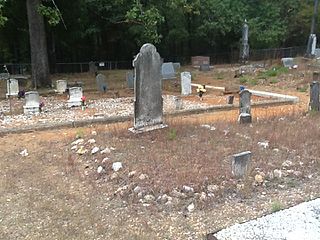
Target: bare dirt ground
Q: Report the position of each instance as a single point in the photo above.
(175, 183)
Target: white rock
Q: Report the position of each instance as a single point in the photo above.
(277, 173)
(187, 189)
(143, 176)
(190, 208)
(149, 198)
(91, 141)
(116, 166)
(105, 160)
(75, 147)
(131, 174)
(287, 163)
(78, 141)
(94, 133)
(114, 176)
(82, 150)
(264, 144)
(106, 150)
(203, 196)
(100, 169)
(137, 189)
(95, 150)
(212, 188)
(24, 153)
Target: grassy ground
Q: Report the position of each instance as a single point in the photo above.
(55, 193)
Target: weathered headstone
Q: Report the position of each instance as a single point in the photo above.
(130, 79)
(245, 107)
(244, 54)
(148, 105)
(92, 67)
(314, 103)
(230, 99)
(75, 95)
(240, 164)
(101, 81)
(12, 87)
(167, 71)
(287, 62)
(317, 52)
(197, 61)
(4, 76)
(205, 67)
(32, 103)
(62, 86)
(178, 103)
(313, 45)
(186, 83)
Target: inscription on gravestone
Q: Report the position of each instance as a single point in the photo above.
(148, 105)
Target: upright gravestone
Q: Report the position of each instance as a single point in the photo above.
(313, 45)
(244, 54)
(314, 104)
(178, 103)
(167, 71)
(186, 83)
(176, 66)
(287, 62)
(92, 67)
(101, 81)
(148, 104)
(204, 67)
(130, 79)
(245, 107)
(32, 103)
(197, 61)
(75, 95)
(12, 87)
(240, 164)
(62, 86)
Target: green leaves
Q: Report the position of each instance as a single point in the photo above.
(51, 14)
(3, 19)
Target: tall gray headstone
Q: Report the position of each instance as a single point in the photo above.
(245, 48)
(167, 71)
(314, 103)
(186, 83)
(245, 107)
(12, 87)
(313, 45)
(130, 79)
(240, 164)
(101, 81)
(75, 95)
(61, 86)
(148, 105)
(32, 103)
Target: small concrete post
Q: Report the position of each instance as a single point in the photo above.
(245, 107)
(240, 164)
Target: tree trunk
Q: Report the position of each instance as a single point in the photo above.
(38, 46)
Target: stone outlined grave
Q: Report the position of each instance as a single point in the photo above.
(32, 103)
(148, 104)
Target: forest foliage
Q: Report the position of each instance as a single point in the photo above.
(84, 30)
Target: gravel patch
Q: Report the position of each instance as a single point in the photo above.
(300, 222)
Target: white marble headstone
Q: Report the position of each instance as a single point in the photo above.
(75, 96)
(32, 102)
(12, 87)
(61, 86)
(186, 83)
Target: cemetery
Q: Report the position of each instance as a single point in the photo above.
(159, 120)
